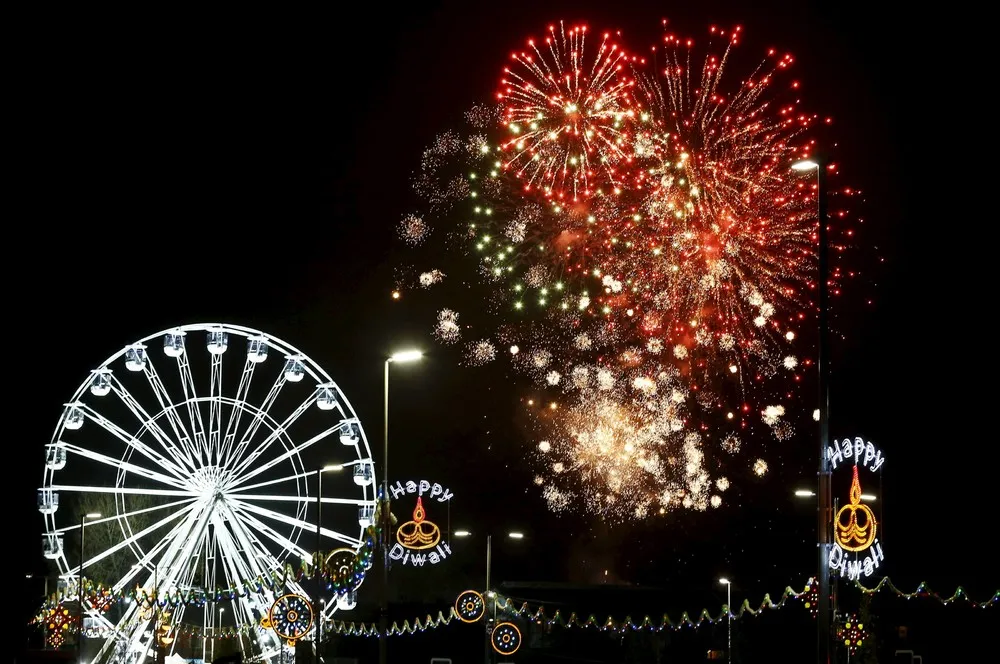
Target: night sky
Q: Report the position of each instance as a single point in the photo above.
(251, 169)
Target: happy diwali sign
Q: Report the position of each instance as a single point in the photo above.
(418, 540)
(856, 551)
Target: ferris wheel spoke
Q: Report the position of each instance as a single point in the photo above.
(209, 555)
(300, 499)
(185, 570)
(182, 457)
(256, 525)
(215, 411)
(174, 464)
(292, 521)
(129, 628)
(233, 425)
(271, 437)
(176, 503)
(148, 558)
(170, 411)
(286, 478)
(235, 540)
(264, 467)
(155, 579)
(178, 557)
(122, 489)
(134, 538)
(191, 399)
(258, 419)
(142, 471)
(176, 619)
(214, 551)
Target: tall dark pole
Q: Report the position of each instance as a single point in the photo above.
(489, 568)
(156, 612)
(489, 560)
(383, 620)
(79, 621)
(824, 511)
(729, 622)
(318, 563)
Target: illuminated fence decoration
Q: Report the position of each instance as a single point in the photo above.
(538, 615)
(418, 540)
(856, 551)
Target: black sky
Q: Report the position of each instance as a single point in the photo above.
(250, 169)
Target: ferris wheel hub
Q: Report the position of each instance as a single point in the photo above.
(208, 480)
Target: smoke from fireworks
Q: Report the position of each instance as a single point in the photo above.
(649, 253)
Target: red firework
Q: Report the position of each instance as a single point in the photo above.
(569, 118)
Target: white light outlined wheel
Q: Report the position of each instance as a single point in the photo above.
(190, 443)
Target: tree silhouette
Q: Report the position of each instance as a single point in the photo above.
(109, 532)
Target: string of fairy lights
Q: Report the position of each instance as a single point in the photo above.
(335, 579)
(537, 615)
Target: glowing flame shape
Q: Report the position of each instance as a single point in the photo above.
(418, 533)
(856, 534)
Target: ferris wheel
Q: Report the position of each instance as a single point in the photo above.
(206, 483)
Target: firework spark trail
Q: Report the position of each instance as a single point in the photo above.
(569, 124)
(648, 257)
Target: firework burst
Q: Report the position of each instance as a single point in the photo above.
(648, 255)
(569, 117)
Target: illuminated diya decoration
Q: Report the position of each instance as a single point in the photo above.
(506, 638)
(291, 618)
(856, 525)
(418, 533)
(470, 606)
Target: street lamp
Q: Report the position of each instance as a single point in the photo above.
(83, 532)
(215, 633)
(318, 562)
(514, 535)
(401, 357)
(729, 615)
(824, 508)
(806, 493)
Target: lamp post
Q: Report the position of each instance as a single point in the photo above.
(514, 535)
(79, 622)
(824, 511)
(400, 357)
(318, 562)
(729, 618)
(215, 633)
